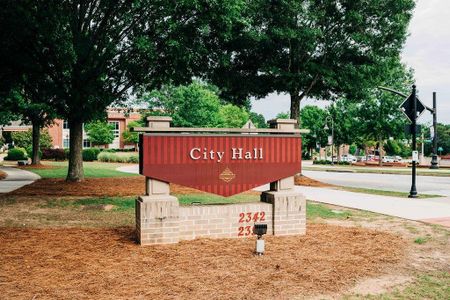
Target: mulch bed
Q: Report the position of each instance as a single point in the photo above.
(96, 187)
(2, 175)
(306, 181)
(107, 264)
(40, 167)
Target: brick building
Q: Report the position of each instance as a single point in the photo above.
(60, 133)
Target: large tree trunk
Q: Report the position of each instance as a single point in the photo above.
(36, 135)
(75, 172)
(295, 106)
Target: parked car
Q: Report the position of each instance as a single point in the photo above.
(372, 157)
(387, 159)
(397, 158)
(348, 158)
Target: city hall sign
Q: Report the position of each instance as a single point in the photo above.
(220, 164)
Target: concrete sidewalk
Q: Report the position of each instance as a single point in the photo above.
(16, 178)
(431, 210)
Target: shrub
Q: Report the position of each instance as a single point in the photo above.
(134, 159)
(16, 154)
(89, 154)
(113, 157)
(24, 139)
(56, 154)
(30, 151)
(66, 153)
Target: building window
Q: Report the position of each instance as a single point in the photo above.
(65, 124)
(86, 143)
(116, 128)
(65, 143)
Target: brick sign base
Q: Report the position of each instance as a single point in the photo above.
(164, 221)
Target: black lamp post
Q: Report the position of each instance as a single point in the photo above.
(330, 119)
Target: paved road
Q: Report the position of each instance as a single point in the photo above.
(16, 178)
(389, 182)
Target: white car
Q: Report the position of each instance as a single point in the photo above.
(387, 159)
(348, 158)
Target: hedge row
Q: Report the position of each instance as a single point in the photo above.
(112, 157)
(328, 162)
(91, 154)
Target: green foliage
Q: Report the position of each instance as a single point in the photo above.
(194, 105)
(118, 158)
(443, 133)
(90, 154)
(132, 137)
(320, 49)
(100, 133)
(29, 150)
(258, 120)
(313, 118)
(393, 147)
(283, 115)
(232, 116)
(328, 162)
(24, 139)
(352, 149)
(16, 154)
(344, 114)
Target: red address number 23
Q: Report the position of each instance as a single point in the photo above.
(250, 217)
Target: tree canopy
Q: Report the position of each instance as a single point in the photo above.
(322, 49)
(99, 132)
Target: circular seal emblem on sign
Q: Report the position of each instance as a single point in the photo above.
(227, 175)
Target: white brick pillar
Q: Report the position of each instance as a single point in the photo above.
(157, 213)
(289, 205)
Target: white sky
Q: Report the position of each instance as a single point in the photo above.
(427, 51)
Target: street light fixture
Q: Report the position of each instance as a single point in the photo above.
(330, 119)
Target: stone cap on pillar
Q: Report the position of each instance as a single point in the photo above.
(282, 123)
(158, 121)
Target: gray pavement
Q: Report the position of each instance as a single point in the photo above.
(388, 182)
(412, 209)
(16, 178)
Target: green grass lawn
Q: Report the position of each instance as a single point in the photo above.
(383, 193)
(378, 170)
(435, 285)
(91, 170)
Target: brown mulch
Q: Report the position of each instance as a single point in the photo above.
(2, 175)
(39, 166)
(97, 187)
(107, 264)
(306, 181)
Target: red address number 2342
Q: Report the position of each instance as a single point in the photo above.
(247, 218)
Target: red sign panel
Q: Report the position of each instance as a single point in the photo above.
(220, 164)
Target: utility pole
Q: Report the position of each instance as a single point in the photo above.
(434, 159)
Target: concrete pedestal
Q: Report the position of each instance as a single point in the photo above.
(289, 211)
(157, 219)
